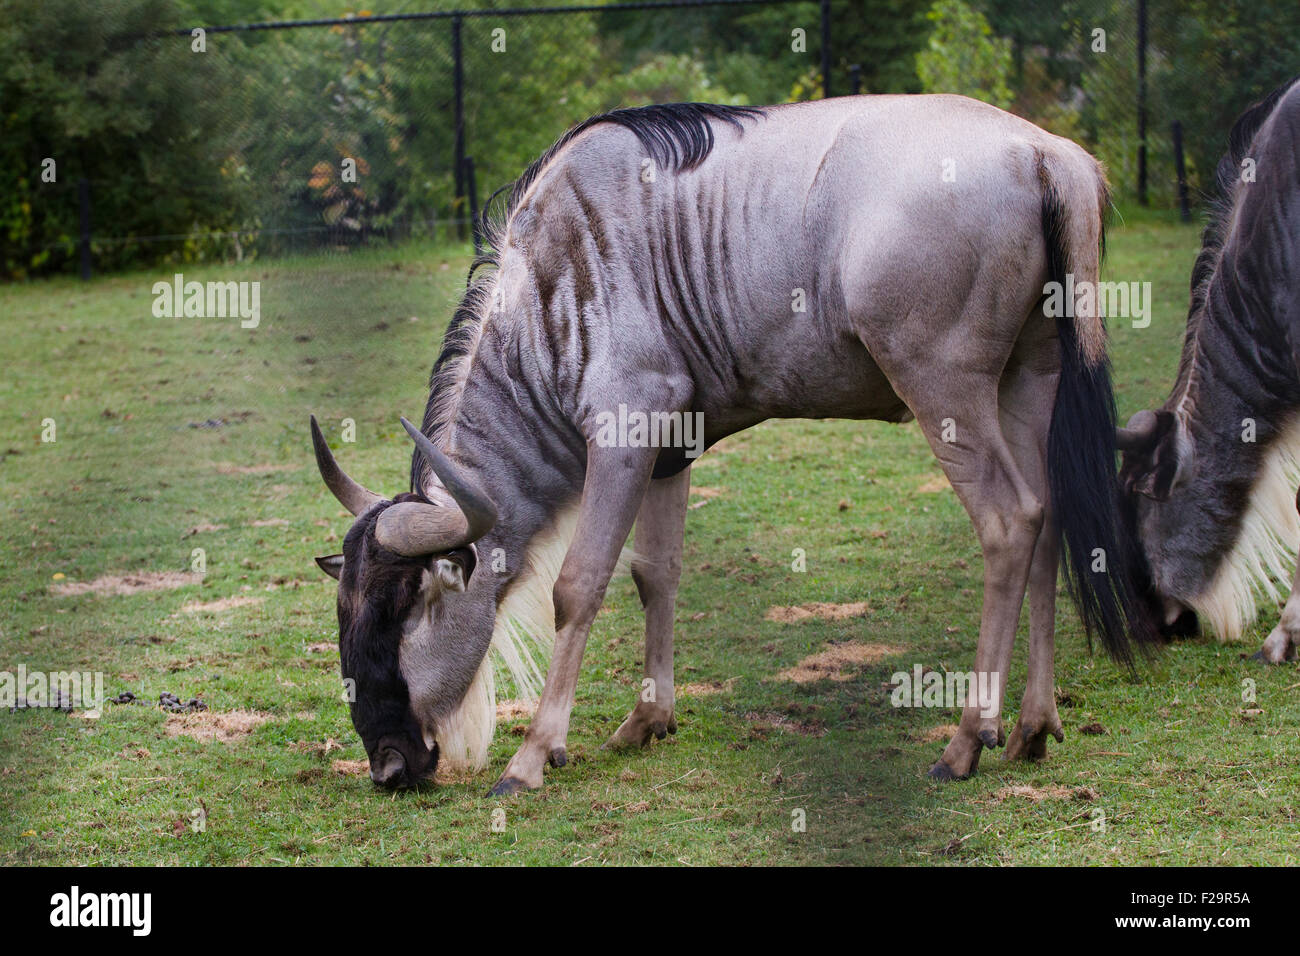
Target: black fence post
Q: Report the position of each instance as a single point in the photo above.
(471, 184)
(1142, 100)
(458, 92)
(855, 78)
(83, 203)
(1180, 166)
(826, 50)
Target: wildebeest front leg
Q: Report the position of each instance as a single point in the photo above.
(1281, 644)
(657, 569)
(614, 485)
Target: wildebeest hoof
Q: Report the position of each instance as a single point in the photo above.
(639, 728)
(1275, 651)
(990, 739)
(557, 757)
(508, 786)
(943, 773)
(1263, 658)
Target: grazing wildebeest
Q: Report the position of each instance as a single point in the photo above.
(1213, 472)
(655, 259)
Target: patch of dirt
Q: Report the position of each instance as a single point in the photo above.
(322, 647)
(351, 768)
(216, 607)
(203, 527)
(515, 709)
(1039, 794)
(817, 610)
(835, 662)
(445, 775)
(317, 748)
(121, 584)
(1092, 730)
(936, 484)
(763, 724)
(269, 523)
(707, 688)
(937, 734)
(704, 496)
(228, 468)
(224, 726)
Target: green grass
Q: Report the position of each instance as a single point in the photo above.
(1181, 774)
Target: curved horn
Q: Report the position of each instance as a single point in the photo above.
(1137, 433)
(351, 495)
(413, 528)
(416, 528)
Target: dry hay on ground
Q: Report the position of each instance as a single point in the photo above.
(229, 468)
(121, 584)
(837, 661)
(224, 726)
(515, 709)
(816, 610)
(937, 734)
(1039, 794)
(222, 604)
(705, 689)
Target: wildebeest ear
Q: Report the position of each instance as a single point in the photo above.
(1154, 470)
(454, 568)
(331, 564)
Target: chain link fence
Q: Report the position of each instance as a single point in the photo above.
(326, 134)
(1160, 83)
(227, 142)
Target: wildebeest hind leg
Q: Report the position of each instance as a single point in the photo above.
(958, 412)
(1028, 394)
(660, 525)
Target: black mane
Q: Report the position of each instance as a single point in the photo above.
(1227, 176)
(678, 136)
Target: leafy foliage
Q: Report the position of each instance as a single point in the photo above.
(963, 55)
(244, 148)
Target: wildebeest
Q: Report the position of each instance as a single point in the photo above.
(876, 257)
(1212, 473)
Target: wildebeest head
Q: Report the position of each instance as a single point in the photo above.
(1156, 478)
(404, 610)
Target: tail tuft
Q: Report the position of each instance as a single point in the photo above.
(1105, 570)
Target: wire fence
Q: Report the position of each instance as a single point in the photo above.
(268, 138)
(336, 132)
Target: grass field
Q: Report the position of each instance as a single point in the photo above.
(1180, 772)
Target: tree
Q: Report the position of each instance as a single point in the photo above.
(963, 56)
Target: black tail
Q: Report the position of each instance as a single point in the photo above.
(1105, 570)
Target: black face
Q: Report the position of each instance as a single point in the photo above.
(1150, 476)
(378, 592)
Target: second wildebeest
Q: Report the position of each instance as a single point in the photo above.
(1212, 473)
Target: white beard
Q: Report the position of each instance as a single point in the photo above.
(1265, 550)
